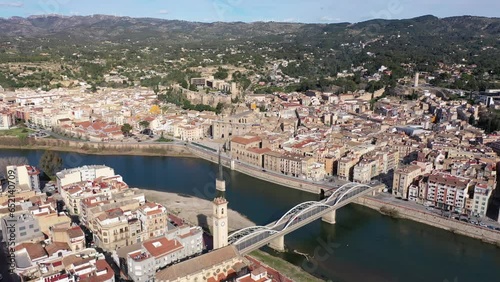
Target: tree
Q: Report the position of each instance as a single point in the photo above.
(193, 87)
(219, 107)
(126, 128)
(221, 73)
(50, 163)
(144, 124)
(184, 84)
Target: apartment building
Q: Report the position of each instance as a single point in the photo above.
(157, 253)
(112, 229)
(47, 216)
(71, 235)
(240, 144)
(23, 227)
(365, 170)
(82, 269)
(254, 156)
(100, 208)
(403, 178)
(480, 199)
(345, 169)
(374, 164)
(84, 173)
(26, 177)
(154, 219)
(448, 191)
(190, 132)
(29, 257)
(74, 194)
(272, 161)
(7, 119)
(291, 164)
(313, 170)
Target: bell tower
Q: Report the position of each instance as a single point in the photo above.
(220, 212)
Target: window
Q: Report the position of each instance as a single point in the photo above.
(31, 226)
(36, 230)
(22, 228)
(22, 234)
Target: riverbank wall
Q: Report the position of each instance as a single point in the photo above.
(96, 148)
(452, 225)
(178, 150)
(298, 184)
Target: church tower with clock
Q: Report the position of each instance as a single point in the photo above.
(220, 212)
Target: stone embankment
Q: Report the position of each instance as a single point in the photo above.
(453, 225)
(290, 182)
(97, 148)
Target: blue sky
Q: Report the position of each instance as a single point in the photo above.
(315, 11)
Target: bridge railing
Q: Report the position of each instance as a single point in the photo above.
(298, 214)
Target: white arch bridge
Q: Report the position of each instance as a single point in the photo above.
(252, 238)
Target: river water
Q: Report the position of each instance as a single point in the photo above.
(362, 246)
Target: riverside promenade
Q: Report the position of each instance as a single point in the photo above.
(269, 176)
(466, 229)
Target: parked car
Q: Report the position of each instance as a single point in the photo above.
(483, 224)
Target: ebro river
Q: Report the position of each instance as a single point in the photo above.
(363, 246)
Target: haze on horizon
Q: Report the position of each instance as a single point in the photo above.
(312, 11)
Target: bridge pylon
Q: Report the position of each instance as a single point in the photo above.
(278, 244)
(330, 217)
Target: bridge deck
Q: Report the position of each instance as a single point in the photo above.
(249, 239)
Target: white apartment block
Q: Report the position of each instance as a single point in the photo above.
(26, 177)
(448, 191)
(84, 173)
(481, 199)
(7, 119)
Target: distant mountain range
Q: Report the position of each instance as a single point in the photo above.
(319, 49)
(110, 28)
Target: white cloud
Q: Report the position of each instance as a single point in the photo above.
(163, 12)
(329, 19)
(12, 4)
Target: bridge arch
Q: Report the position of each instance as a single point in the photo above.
(317, 205)
(237, 236)
(339, 190)
(294, 210)
(357, 186)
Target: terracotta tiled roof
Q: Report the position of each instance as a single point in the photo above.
(56, 247)
(259, 150)
(198, 264)
(75, 232)
(35, 251)
(162, 246)
(245, 140)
